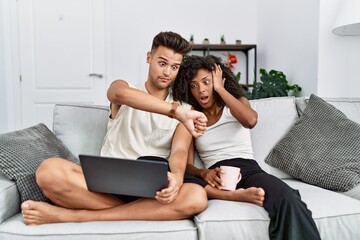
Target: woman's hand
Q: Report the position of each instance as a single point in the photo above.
(218, 81)
(212, 177)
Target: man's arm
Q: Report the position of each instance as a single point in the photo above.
(240, 108)
(177, 161)
(120, 93)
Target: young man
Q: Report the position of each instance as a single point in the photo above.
(143, 122)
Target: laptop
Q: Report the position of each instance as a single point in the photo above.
(141, 177)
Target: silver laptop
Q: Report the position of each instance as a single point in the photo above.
(141, 177)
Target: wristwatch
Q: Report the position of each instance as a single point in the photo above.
(174, 106)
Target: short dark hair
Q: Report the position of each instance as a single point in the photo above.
(188, 71)
(172, 41)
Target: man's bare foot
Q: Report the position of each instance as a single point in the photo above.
(42, 212)
(252, 195)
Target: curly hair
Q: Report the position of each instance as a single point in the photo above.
(188, 70)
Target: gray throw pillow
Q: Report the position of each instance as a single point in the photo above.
(322, 148)
(22, 151)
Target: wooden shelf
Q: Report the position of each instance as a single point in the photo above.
(245, 48)
(223, 47)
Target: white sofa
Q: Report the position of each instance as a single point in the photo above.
(82, 128)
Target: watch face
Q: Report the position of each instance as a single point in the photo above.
(174, 105)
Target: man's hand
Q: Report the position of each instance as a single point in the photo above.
(212, 177)
(194, 121)
(200, 125)
(167, 195)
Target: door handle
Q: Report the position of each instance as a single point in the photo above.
(96, 75)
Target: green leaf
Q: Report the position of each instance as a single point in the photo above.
(272, 84)
(238, 76)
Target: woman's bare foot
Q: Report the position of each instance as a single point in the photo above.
(252, 195)
(42, 212)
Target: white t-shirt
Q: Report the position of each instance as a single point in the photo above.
(225, 139)
(134, 133)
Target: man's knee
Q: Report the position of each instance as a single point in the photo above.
(48, 172)
(194, 200)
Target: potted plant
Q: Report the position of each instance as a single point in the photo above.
(206, 41)
(191, 40)
(222, 39)
(272, 84)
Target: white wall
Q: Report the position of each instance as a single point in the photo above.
(296, 37)
(288, 40)
(135, 24)
(3, 112)
(291, 36)
(339, 56)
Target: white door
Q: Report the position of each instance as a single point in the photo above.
(62, 56)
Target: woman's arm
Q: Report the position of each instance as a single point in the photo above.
(211, 176)
(240, 108)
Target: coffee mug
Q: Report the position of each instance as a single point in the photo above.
(230, 177)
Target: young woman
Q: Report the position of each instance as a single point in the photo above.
(209, 86)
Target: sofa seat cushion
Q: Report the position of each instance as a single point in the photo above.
(322, 148)
(354, 192)
(336, 216)
(232, 220)
(9, 198)
(15, 228)
(81, 127)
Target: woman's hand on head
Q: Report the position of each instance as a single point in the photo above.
(212, 177)
(218, 80)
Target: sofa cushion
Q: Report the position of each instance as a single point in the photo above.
(15, 228)
(336, 216)
(81, 127)
(275, 117)
(322, 148)
(349, 106)
(232, 220)
(354, 192)
(22, 151)
(9, 198)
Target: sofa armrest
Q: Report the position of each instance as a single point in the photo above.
(9, 198)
